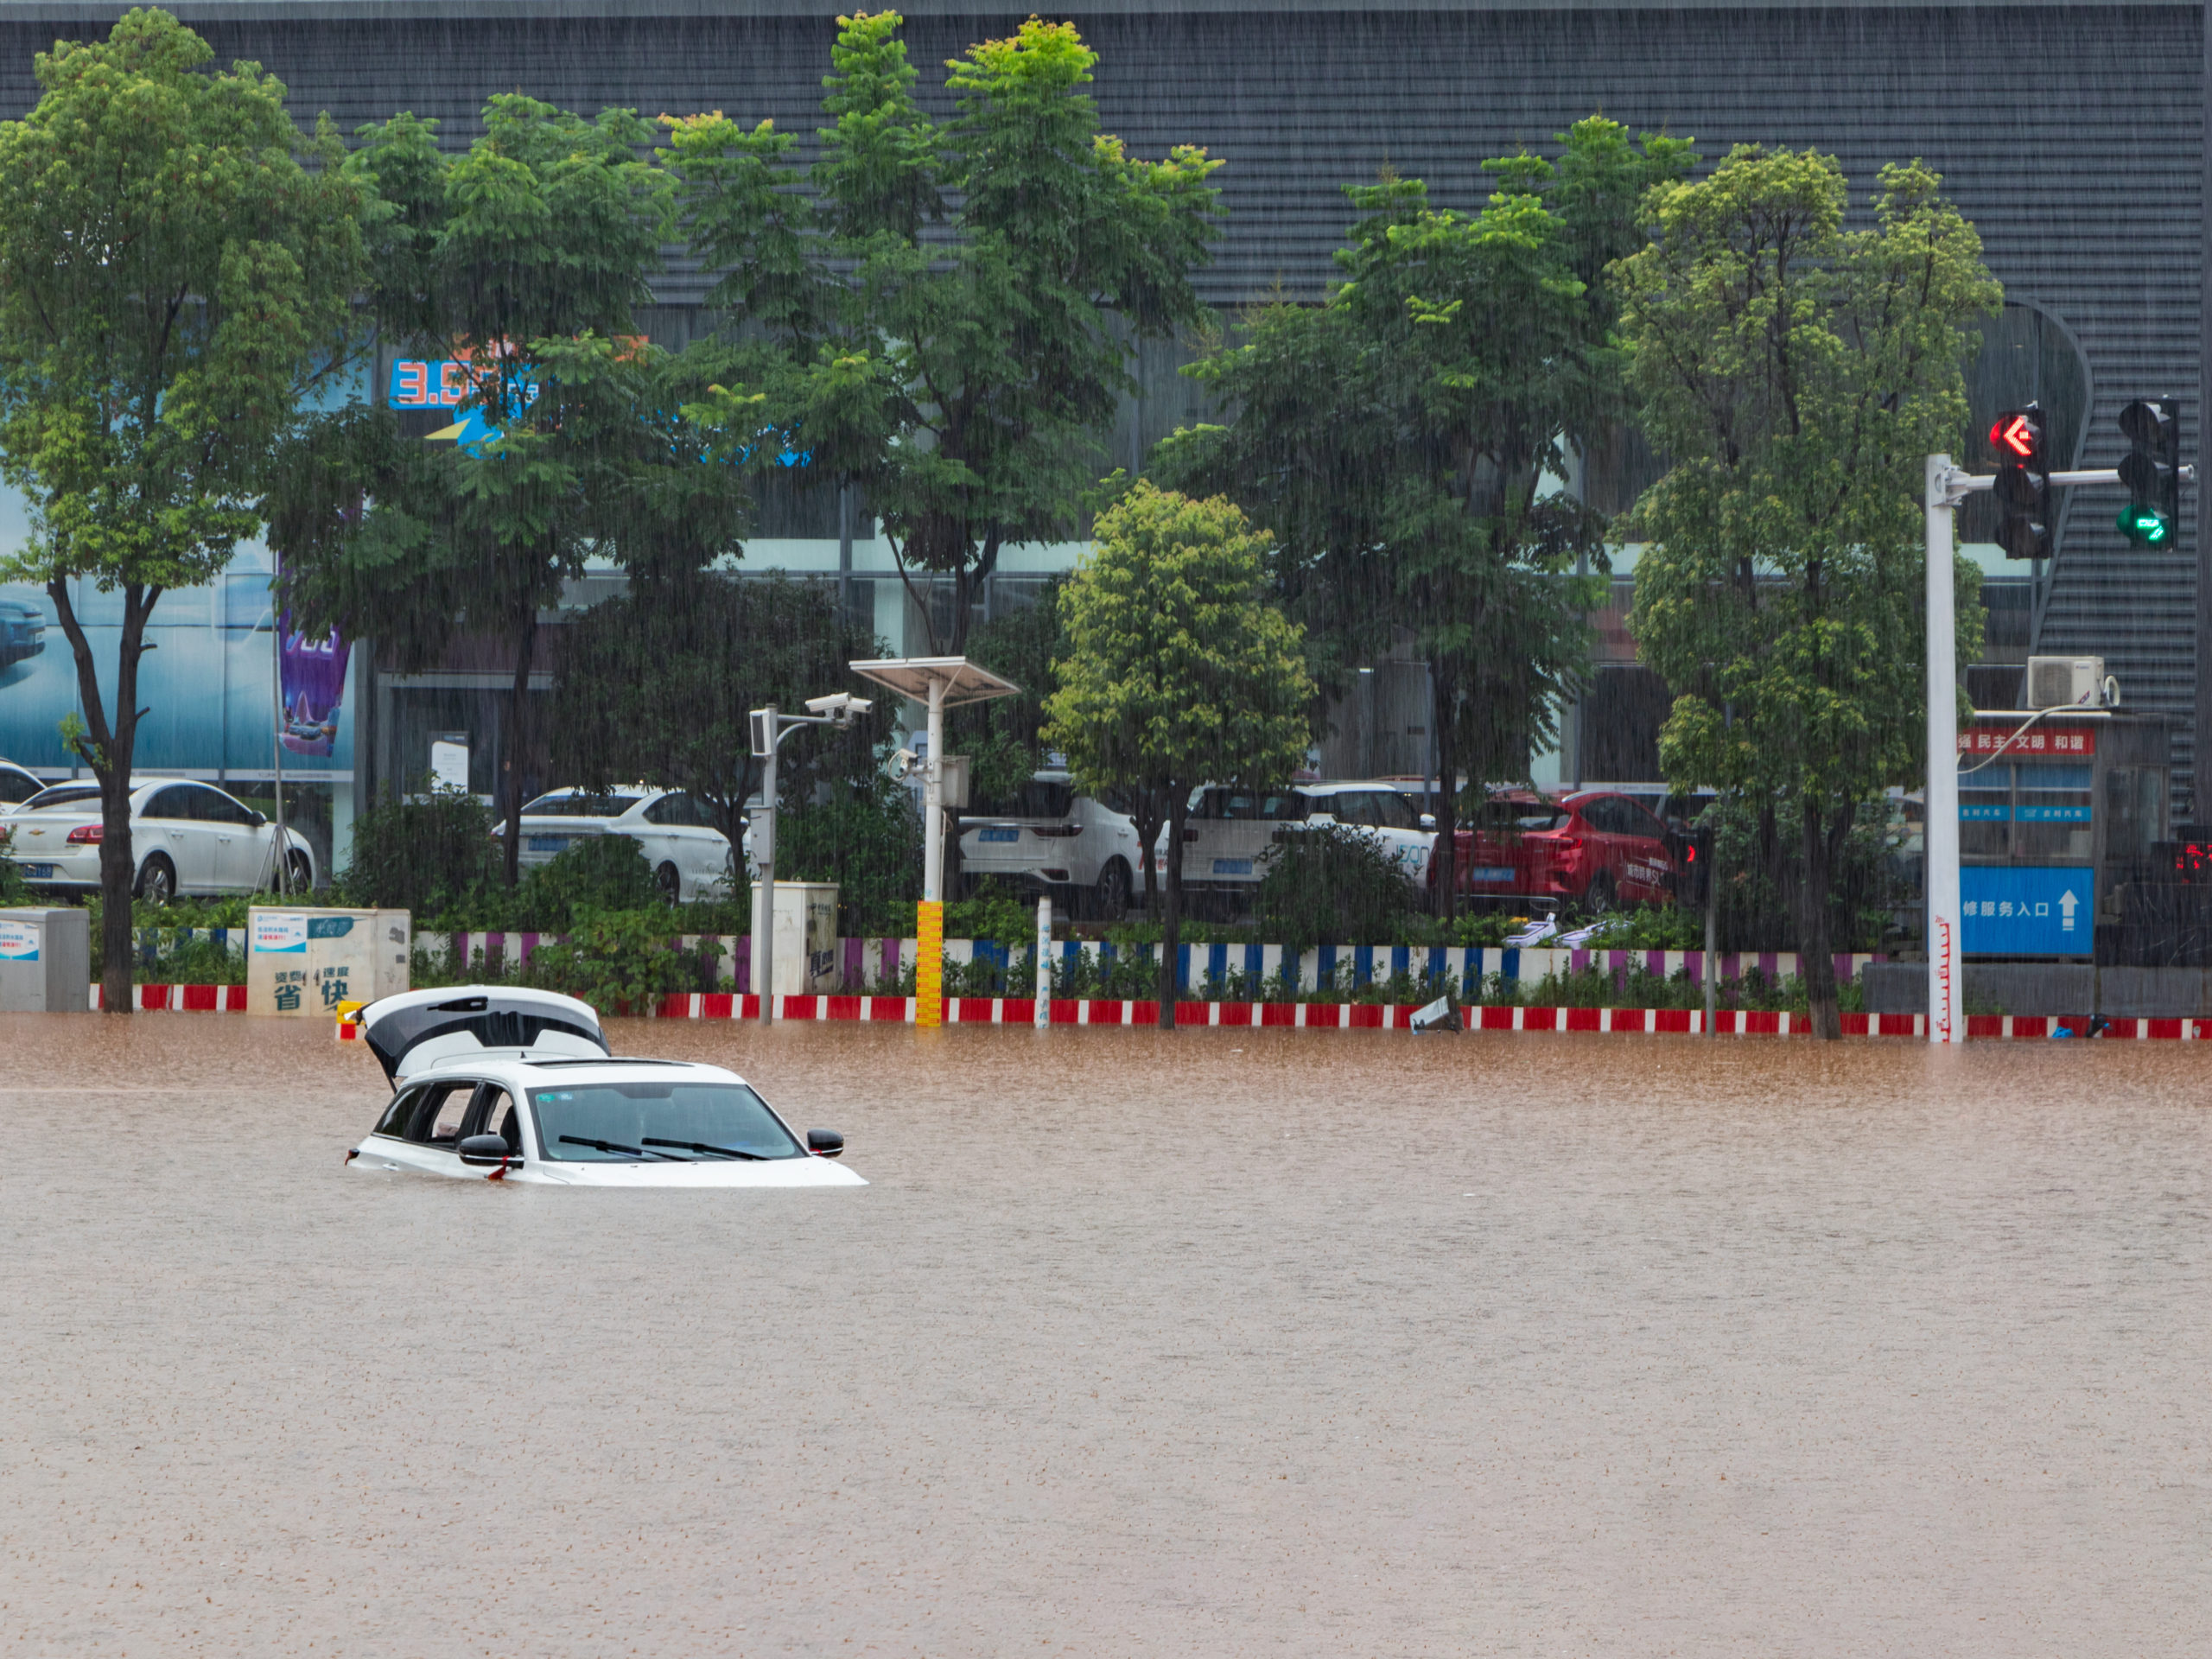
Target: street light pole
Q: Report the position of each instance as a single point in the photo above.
(764, 920)
(770, 728)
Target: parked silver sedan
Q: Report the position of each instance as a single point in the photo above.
(689, 858)
(188, 837)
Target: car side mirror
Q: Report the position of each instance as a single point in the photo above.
(1429, 820)
(485, 1149)
(825, 1143)
(259, 818)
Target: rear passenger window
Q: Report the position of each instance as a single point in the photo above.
(394, 1119)
(438, 1111)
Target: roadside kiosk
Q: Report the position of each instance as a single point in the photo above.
(2058, 812)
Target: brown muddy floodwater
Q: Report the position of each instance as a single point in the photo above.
(1279, 1343)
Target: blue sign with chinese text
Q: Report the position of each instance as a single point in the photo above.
(2026, 910)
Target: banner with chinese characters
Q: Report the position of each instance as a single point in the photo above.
(2035, 741)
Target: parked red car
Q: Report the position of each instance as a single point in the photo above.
(1594, 848)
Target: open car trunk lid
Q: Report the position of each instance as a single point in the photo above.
(415, 1029)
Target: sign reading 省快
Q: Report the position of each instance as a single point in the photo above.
(2014, 910)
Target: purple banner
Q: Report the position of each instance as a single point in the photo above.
(315, 689)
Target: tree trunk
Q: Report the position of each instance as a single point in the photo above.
(1171, 932)
(518, 746)
(1815, 959)
(1149, 818)
(1444, 862)
(109, 748)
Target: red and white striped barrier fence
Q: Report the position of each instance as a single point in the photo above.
(1301, 1016)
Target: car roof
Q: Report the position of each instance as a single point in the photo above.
(568, 1066)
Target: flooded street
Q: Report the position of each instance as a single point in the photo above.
(1221, 1343)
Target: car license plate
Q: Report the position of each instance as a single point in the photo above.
(549, 843)
(1232, 866)
(1491, 873)
(1001, 832)
(37, 872)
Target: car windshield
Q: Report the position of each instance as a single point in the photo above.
(62, 795)
(568, 804)
(678, 1116)
(1519, 817)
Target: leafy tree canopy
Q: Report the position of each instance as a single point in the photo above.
(1797, 372)
(946, 310)
(1179, 669)
(177, 268)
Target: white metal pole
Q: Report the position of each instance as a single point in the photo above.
(1043, 989)
(764, 914)
(1945, 969)
(933, 799)
(284, 872)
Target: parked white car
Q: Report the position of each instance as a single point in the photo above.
(189, 838)
(1049, 839)
(513, 1085)
(17, 784)
(1228, 830)
(690, 858)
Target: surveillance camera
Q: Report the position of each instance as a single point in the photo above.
(840, 706)
(901, 766)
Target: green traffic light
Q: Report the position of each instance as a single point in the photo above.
(2145, 526)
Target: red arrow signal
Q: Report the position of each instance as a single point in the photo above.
(2019, 435)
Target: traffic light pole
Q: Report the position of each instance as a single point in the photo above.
(1946, 487)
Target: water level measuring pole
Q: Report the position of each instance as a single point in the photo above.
(1041, 991)
(1946, 487)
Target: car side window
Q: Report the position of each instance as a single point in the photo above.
(216, 807)
(399, 1113)
(174, 803)
(18, 786)
(438, 1113)
(1640, 823)
(1392, 810)
(1603, 816)
(678, 810)
(495, 1115)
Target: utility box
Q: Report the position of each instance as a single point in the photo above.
(305, 962)
(46, 960)
(2057, 814)
(804, 939)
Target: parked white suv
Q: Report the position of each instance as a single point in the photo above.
(188, 837)
(1229, 830)
(690, 858)
(1049, 839)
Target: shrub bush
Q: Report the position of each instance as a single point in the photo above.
(867, 837)
(1331, 885)
(428, 856)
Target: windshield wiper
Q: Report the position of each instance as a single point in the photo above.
(701, 1146)
(616, 1146)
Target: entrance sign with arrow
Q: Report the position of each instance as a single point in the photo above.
(2015, 910)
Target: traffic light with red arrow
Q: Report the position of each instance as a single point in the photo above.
(2022, 486)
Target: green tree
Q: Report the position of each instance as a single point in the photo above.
(1179, 671)
(951, 308)
(177, 266)
(523, 257)
(1796, 373)
(657, 685)
(1464, 359)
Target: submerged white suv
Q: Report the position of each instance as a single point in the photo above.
(1048, 838)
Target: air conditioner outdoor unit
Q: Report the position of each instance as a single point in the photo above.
(2066, 682)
